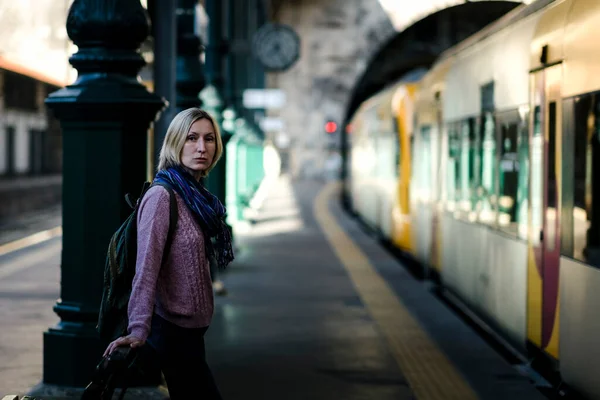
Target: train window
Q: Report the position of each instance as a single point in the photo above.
(453, 168)
(397, 145)
(522, 206)
(486, 192)
(508, 171)
(551, 194)
(586, 185)
(537, 177)
(465, 147)
(469, 168)
(385, 143)
(413, 185)
(426, 163)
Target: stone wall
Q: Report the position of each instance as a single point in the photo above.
(338, 39)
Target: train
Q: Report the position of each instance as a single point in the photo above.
(484, 167)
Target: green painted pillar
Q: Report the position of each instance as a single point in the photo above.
(215, 50)
(230, 82)
(211, 96)
(258, 165)
(232, 181)
(212, 103)
(236, 169)
(163, 18)
(189, 76)
(242, 177)
(251, 168)
(105, 116)
(229, 126)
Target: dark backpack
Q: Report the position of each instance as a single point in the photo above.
(119, 269)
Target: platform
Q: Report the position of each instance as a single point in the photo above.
(315, 309)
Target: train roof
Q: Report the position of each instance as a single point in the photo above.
(530, 38)
(384, 100)
(570, 33)
(431, 91)
(496, 59)
(498, 65)
(510, 18)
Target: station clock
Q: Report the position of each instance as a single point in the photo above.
(276, 46)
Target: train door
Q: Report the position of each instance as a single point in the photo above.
(436, 181)
(544, 205)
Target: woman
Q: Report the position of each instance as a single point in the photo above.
(171, 306)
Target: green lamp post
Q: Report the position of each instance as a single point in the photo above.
(105, 116)
(212, 103)
(211, 96)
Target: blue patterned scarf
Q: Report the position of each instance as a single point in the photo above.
(206, 208)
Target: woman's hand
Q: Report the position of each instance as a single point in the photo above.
(129, 340)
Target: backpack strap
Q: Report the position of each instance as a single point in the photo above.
(173, 216)
(130, 200)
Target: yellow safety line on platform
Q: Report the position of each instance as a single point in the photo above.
(430, 374)
(30, 240)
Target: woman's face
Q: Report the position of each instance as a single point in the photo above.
(200, 147)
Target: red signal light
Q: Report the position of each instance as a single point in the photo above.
(330, 127)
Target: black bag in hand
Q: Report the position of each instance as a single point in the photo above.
(112, 370)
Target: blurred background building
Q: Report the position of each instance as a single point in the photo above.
(34, 50)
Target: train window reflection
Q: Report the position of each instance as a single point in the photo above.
(508, 173)
(453, 168)
(425, 165)
(397, 145)
(551, 222)
(523, 181)
(470, 161)
(586, 185)
(486, 193)
(537, 178)
(466, 159)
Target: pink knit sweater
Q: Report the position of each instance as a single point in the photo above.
(180, 291)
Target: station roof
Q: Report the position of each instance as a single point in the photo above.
(20, 69)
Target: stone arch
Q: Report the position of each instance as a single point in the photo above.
(337, 39)
(421, 42)
(345, 44)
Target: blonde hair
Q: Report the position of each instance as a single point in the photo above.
(170, 153)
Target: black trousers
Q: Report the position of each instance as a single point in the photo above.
(182, 358)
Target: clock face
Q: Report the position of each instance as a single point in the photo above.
(276, 46)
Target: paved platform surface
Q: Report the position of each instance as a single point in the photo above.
(29, 288)
(30, 223)
(316, 309)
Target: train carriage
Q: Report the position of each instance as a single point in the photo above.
(483, 258)
(565, 92)
(426, 186)
(503, 184)
(519, 239)
(380, 157)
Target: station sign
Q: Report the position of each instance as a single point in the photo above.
(272, 124)
(270, 99)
